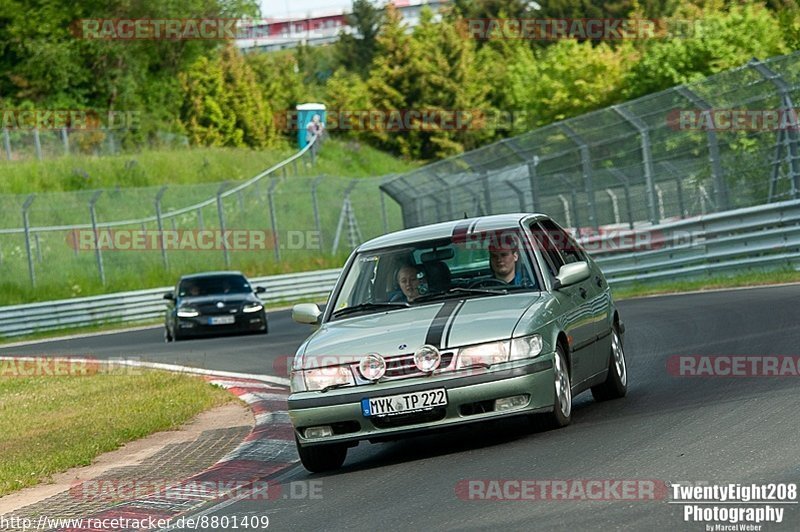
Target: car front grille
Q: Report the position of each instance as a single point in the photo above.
(403, 366)
(211, 309)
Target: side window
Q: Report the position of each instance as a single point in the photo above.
(568, 248)
(552, 257)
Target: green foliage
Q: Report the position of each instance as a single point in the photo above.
(224, 105)
(219, 97)
(46, 62)
(717, 40)
(355, 51)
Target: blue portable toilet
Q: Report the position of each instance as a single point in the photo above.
(305, 113)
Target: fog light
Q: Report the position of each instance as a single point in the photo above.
(318, 432)
(427, 358)
(372, 367)
(509, 403)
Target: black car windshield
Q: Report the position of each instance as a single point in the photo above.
(480, 265)
(214, 285)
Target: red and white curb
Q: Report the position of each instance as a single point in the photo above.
(268, 449)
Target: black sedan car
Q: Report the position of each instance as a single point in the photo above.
(213, 303)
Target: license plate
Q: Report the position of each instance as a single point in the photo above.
(400, 404)
(221, 320)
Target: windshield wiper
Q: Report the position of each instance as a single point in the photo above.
(369, 306)
(492, 291)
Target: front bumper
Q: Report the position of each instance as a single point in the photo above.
(470, 398)
(199, 326)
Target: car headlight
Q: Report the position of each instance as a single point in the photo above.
(482, 354)
(255, 307)
(496, 352)
(321, 378)
(187, 312)
(526, 347)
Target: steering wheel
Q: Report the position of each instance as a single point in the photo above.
(492, 281)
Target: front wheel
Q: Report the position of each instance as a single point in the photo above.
(616, 384)
(561, 416)
(320, 458)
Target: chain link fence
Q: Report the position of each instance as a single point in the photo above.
(35, 144)
(280, 220)
(661, 157)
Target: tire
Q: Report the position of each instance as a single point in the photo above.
(561, 416)
(616, 384)
(321, 458)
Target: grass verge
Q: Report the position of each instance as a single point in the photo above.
(188, 166)
(49, 424)
(735, 281)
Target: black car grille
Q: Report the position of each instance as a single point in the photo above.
(210, 309)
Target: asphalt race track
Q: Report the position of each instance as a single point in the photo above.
(669, 429)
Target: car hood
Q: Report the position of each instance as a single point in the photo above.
(449, 324)
(228, 299)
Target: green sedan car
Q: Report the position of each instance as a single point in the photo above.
(449, 324)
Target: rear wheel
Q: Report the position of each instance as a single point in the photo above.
(616, 384)
(320, 458)
(561, 416)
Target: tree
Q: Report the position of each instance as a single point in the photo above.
(223, 105)
(718, 40)
(391, 82)
(449, 80)
(356, 50)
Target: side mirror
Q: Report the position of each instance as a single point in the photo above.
(571, 274)
(170, 296)
(260, 290)
(308, 313)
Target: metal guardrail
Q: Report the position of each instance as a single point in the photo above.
(142, 305)
(766, 236)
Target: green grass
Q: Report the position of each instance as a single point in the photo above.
(50, 424)
(734, 281)
(186, 167)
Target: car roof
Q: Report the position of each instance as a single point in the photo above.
(210, 274)
(446, 229)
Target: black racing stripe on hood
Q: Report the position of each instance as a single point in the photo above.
(452, 323)
(436, 330)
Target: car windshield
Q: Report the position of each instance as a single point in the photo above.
(214, 285)
(478, 265)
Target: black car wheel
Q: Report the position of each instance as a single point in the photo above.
(319, 458)
(561, 415)
(616, 384)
